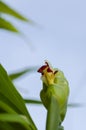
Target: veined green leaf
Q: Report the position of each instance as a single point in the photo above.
(18, 74)
(7, 25)
(4, 8)
(10, 96)
(16, 118)
(52, 115)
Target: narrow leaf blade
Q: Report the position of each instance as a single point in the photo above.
(38, 102)
(4, 8)
(6, 108)
(18, 74)
(31, 101)
(74, 105)
(4, 24)
(16, 118)
(9, 95)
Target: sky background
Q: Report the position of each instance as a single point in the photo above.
(60, 37)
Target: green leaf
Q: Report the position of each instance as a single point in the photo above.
(18, 74)
(17, 119)
(4, 8)
(38, 102)
(7, 26)
(74, 105)
(5, 107)
(6, 126)
(31, 101)
(10, 96)
(52, 115)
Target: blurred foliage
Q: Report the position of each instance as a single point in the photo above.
(12, 105)
(13, 112)
(18, 74)
(4, 24)
(7, 25)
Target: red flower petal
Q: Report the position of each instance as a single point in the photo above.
(40, 70)
(49, 70)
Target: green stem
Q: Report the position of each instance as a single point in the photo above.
(53, 116)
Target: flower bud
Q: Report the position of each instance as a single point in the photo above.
(54, 83)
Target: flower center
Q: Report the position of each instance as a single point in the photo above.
(48, 74)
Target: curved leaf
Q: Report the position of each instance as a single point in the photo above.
(15, 118)
(18, 74)
(7, 25)
(4, 8)
(5, 107)
(10, 96)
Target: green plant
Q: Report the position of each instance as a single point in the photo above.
(13, 112)
(7, 25)
(54, 95)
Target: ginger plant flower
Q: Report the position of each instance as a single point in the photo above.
(54, 83)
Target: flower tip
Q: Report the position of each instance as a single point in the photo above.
(42, 68)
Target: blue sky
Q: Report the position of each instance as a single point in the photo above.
(60, 38)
